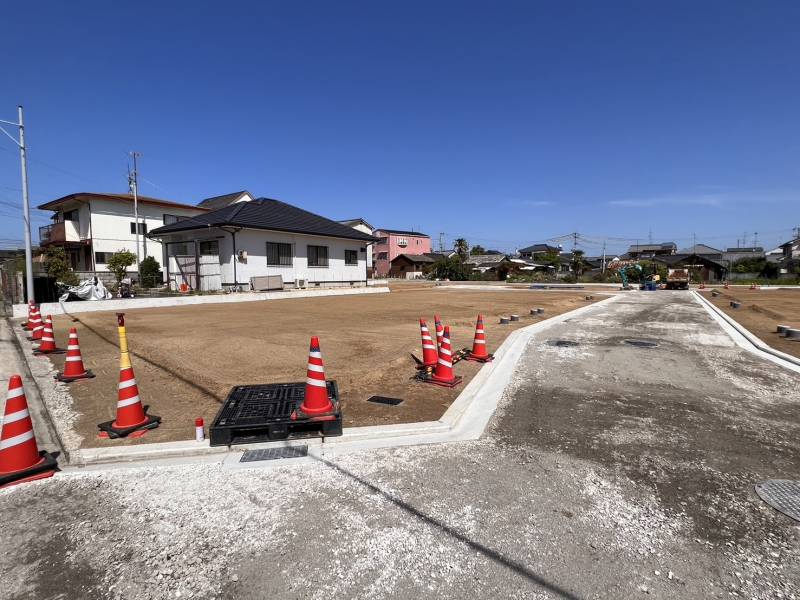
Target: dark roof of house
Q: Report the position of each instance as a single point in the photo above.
(415, 258)
(265, 213)
(790, 242)
(401, 232)
(539, 248)
(481, 259)
(53, 204)
(216, 202)
(700, 249)
(436, 255)
(652, 247)
(749, 249)
(354, 222)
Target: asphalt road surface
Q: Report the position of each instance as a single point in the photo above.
(610, 471)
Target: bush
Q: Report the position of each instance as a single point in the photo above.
(448, 268)
(57, 266)
(119, 262)
(150, 273)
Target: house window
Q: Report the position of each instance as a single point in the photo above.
(383, 256)
(279, 255)
(169, 219)
(317, 256)
(402, 242)
(351, 257)
(142, 228)
(102, 257)
(71, 215)
(209, 248)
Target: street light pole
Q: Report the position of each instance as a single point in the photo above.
(26, 211)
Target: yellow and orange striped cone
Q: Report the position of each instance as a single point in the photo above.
(132, 418)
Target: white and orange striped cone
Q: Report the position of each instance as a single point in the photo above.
(37, 329)
(443, 373)
(73, 362)
(31, 310)
(316, 400)
(132, 418)
(48, 345)
(437, 323)
(20, 458)
(479, 352)
(429, 354)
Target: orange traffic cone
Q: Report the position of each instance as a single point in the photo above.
(31, 310)
(437, 322)
(479, 352)
(20, 459)
(443, 373)
(73, 362)
(38, 327)
(48, 345)
(316, 400)
(132, 418)
(429, 355)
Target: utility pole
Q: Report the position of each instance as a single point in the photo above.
(604, 257)
(755, 239)
(650, 236)
(441, 242)
(133, 182)
(26, 211)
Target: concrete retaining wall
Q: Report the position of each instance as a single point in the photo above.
(123, 304)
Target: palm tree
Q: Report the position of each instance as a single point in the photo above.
(462, 248)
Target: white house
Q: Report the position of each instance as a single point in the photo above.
(263, 243)
(364, 227)
(92, 226)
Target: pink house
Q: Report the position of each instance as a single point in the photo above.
(392, 242)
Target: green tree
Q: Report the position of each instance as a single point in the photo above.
(448, 268)
(56, 264)
(119, 263)
(461, 247)
(149, 272)
(578, 262)
(477, 250)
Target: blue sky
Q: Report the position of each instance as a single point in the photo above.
(505, 123)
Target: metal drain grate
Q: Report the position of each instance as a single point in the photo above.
(385, 400)
(274, 453)
(562, 343)
(641, 343)
(782, 495)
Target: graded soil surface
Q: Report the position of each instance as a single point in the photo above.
(186, 359)
(761, 312)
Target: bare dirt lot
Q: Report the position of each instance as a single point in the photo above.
(186, 359)
(762, 311)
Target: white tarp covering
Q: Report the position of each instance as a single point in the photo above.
(90, 289)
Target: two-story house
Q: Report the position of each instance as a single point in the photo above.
(92, 226)
(394, 242)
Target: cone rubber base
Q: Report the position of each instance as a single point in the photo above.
(109, 431)
(37, 352)
(442, 382)
(87, 374)
(480, 359)
(46, 467)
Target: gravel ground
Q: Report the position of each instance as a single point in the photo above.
(608, 472)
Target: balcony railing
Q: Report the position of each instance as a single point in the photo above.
(66, 231)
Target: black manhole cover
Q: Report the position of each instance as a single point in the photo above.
(782, 495)
(385, 400)
(562, 343)
(274, 453)
(641, 343)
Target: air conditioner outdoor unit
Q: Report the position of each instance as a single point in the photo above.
(301, 283)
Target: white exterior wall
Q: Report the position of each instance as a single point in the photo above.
(111, 227)
(364, 229)
(254, 242)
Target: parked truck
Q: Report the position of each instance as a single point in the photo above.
(677, 279)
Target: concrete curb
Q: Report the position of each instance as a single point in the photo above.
(465, 419)
(64, 308)
(746, 340)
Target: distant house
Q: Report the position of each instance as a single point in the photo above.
(791, 249)
(250, 241)
(391, 243)
(537, 250)
(699, 265)
(410, 266)
(485, 262)
(216, 202)
(638, 251)
(731, 255)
